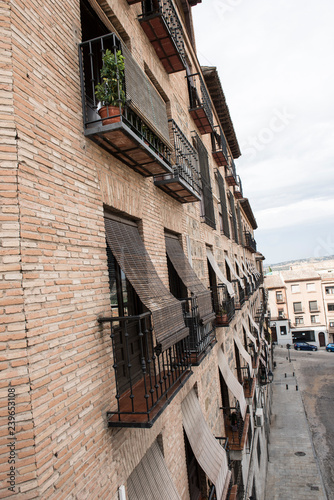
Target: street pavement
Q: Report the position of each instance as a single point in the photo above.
(293, 471)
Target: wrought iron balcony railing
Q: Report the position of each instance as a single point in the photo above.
(239, 298)
(132, 129)
(184, 184)
(219, 147)
(247, 382)
(146, 378)
(235, 427)
(201, 337)
(250, 243)
(231, 174)
(238, 194)
(162, 26)
(248, 288)
(200, 104)
(223, 305)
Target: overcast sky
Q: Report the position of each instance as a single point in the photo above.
(276, 64)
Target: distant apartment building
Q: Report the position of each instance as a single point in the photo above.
(133, 314)
(327, 282)
(299, 307)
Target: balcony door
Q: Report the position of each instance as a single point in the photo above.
(125, 303)
(194, 472)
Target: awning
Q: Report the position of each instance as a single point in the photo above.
(244, 354)
(249, 335)
(131, 255)
(151, 478)
(255, 271)
(232, 382)
(190, 279)
(264, 362)
(249, 274)
(241, 267)
(233, 271)
(253, 323)
(219, 273)
(209, 454)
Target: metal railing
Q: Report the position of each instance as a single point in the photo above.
(185, 159)
(239, 299)
(234, 424)
(238, 187)
(167, 10)
(199, 96)
(249, 241)
(219, 141)
(201, 336)
(223, 304)
(148, 383)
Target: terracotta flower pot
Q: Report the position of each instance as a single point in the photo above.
(109, 114)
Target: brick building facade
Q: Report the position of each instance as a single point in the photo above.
(93, 401)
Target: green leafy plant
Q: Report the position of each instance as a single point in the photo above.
(110, 91)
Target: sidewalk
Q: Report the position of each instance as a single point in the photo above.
(293, 471)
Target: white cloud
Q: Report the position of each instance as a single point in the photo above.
(296, 214)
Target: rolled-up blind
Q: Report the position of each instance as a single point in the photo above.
(249, 335)
(219, 274)
(228, 262)
(132, 257)
(244, 354)
(143, 98)
(190, 279)
(210, 455)
(151, 479)
(232, 382)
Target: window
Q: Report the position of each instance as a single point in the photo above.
(279, 296)
(313, 304)
(207, 207)
(295, 289)
(310, 287)
(281, 314)
(330, 307)
(223, 215)
(297, 307)
(329, 290)
(331, 324)
(315, 319)
(299, 320)
(283, 330)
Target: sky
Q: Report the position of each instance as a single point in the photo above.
(275, 61)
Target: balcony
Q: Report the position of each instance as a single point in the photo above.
(223, 305)
(238, 189)
(200, 104)
(236, 428)
(231, 175)
(201, 337)
(184, 183)
(247, 382)
(162, 26)
(137, 134)
(147, 381)
(239, 298)
(248, 290)
(219, 147)
(250, 243)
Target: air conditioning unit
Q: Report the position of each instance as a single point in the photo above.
(259, 417)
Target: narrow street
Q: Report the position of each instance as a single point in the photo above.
(315, 377)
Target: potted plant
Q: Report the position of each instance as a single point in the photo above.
(222, 317)
(110, 91)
